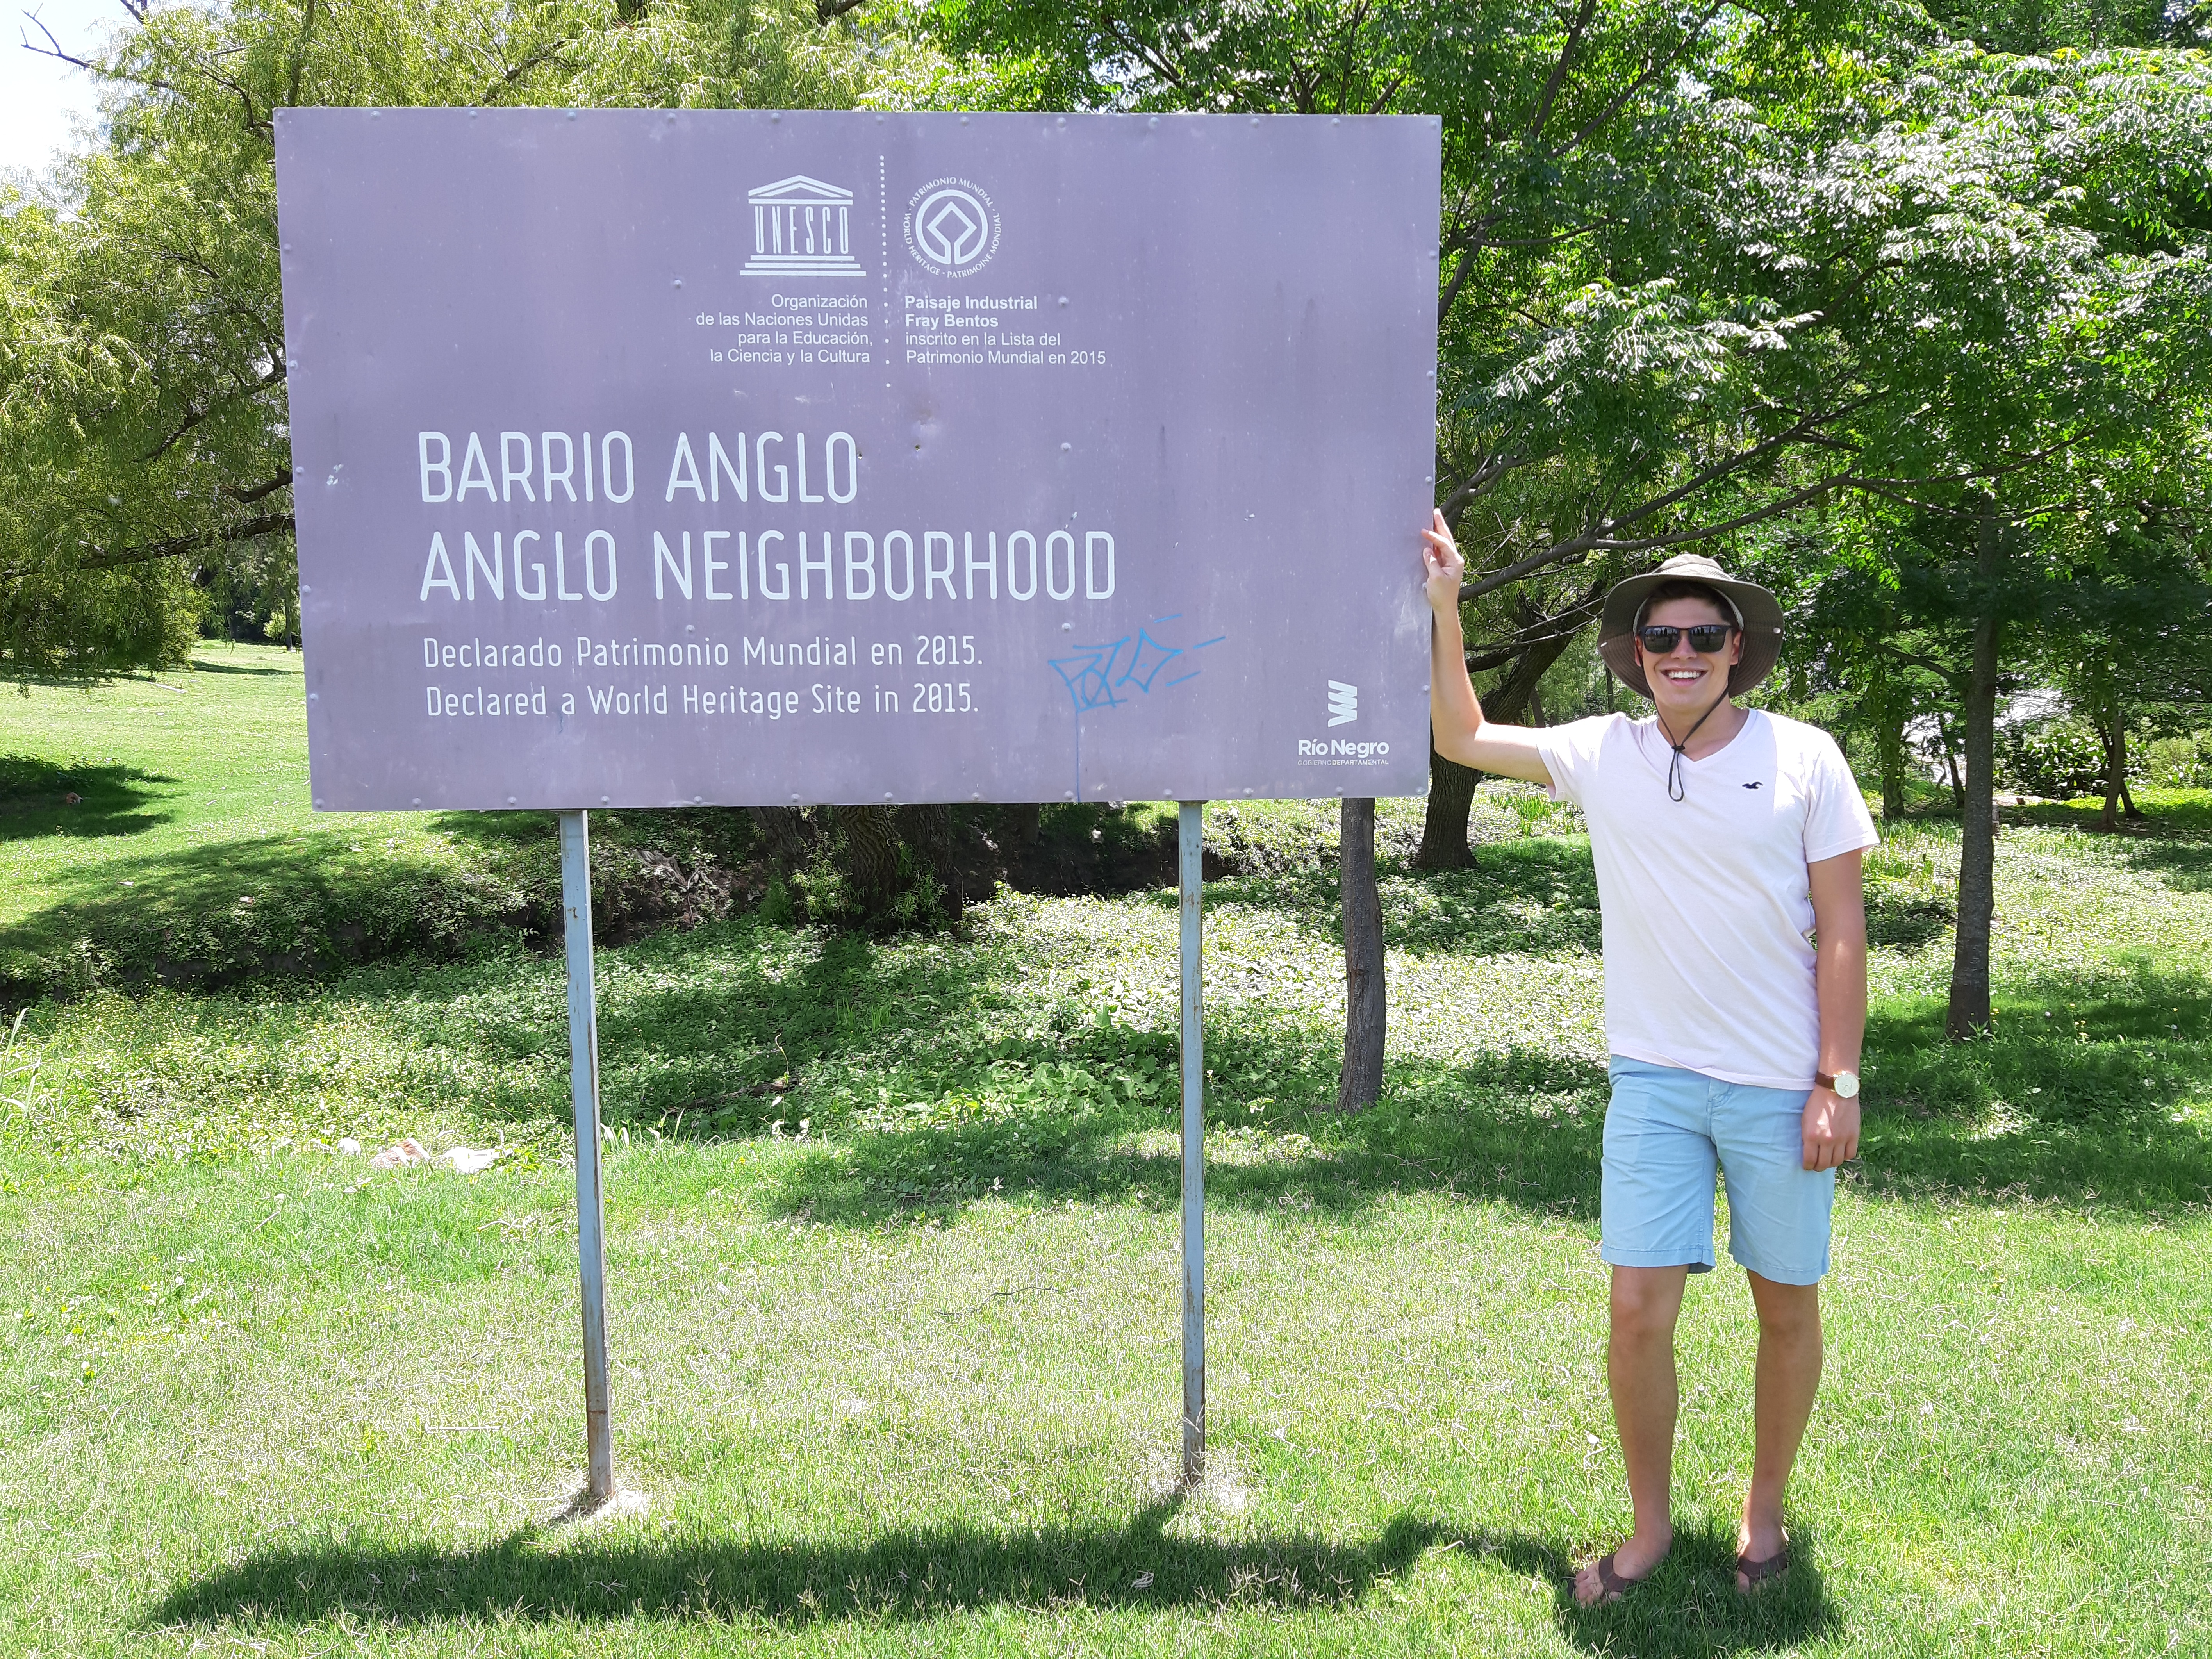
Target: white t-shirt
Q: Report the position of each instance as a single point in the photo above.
(1706, 900)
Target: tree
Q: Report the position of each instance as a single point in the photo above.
(143, 417)
(1574, 158)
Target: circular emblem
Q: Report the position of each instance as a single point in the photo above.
(951, 227)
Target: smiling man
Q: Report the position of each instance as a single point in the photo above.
(1727, 842)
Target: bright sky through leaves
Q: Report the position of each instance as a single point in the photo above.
(41, 100)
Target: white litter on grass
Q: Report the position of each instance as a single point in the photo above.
(464, 1160)
(348, 1147)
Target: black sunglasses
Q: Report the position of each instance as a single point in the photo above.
(1659, 639)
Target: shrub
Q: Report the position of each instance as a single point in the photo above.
(2178, 763)
(2060, 758)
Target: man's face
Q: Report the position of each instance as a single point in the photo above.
(1685, 681)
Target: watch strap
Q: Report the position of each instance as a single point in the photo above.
(1824, 1080)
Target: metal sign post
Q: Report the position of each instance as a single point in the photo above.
(584, 1091)
(1191, 843)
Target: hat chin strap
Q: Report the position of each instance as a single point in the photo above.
(1675, 766)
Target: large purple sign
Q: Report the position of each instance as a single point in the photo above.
(651, 457)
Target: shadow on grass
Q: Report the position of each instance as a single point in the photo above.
(211, 665)
(208, 915)
(2081, 1094)
(1688, 1607)
(927, 1108)
(113, 800)
(1533, 896)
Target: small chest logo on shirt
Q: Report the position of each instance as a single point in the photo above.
(1751, 785)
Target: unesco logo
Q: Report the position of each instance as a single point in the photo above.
(951, 227)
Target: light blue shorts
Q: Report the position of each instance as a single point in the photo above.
(1664, 1131)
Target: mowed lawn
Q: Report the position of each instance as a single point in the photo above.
(893, 1271)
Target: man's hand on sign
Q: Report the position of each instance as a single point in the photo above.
(1446, 568)
(1832, 1129)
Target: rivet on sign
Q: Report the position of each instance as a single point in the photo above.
(510, 800)
(1336, 120)
(887, 794)
(1155, 121)
(1255, 120)
(964, 120)
(1071, 795)
(1063, 299)
(418, 800)
(606, 801)
(679, 282)
(1067, 628)
(1064, 447)
(1063, 122)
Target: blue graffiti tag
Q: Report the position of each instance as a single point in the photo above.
(1090, 675)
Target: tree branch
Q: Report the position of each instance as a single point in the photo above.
(174, 547)
(1560, 70)
(255, 492)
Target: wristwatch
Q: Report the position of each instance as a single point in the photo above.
(1845, 1083)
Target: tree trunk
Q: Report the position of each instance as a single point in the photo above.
(2112, 739)
(871, 856)
(1969, 1012)
(1951, 758)
(1889, 745)
(1363, 985)
(780, 825)
(1451, 786)
(2117, 792)
(1443, 826)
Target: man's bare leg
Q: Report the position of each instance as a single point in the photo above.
(1788, 1376)
(1640, 1365)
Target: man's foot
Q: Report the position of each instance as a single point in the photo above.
(1613, 1574)
(1762, 1553)
(1750, 1574)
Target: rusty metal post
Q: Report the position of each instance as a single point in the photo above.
(584, 1091)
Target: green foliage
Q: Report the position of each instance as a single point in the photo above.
(145, 473)
(2182, 761)
(2060, 759)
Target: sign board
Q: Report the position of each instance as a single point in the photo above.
(651, 458)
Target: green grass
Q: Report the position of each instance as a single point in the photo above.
(191, 853)
(893, 1271)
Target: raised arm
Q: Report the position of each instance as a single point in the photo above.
(1461, 731)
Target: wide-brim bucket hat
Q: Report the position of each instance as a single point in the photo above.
(1757, 610)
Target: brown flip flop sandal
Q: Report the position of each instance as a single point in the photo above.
(1611, 1585)
(1756, 1573)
